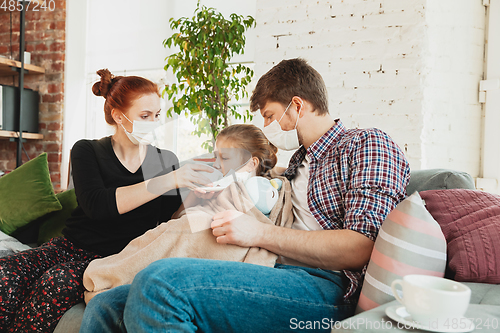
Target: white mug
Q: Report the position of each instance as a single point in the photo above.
(431, 299)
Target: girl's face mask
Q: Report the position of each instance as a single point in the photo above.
(231, 176)
(142, 131)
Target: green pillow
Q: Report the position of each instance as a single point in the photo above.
(53, 223)
(26, 194)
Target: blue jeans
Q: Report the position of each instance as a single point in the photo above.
(186, 295)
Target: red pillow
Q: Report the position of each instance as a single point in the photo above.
(470, 221)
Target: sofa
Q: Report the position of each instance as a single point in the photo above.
(484, 307)
(485, 297)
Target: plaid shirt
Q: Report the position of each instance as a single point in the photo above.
(356, 177)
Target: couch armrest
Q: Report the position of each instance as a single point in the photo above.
(439, 179)
(72, 320)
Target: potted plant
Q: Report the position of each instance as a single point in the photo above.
(207, 81)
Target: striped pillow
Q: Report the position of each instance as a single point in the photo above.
(410, 241)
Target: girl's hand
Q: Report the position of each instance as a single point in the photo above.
(233, 227)
(188, 176)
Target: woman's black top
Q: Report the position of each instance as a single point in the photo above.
(95, 225)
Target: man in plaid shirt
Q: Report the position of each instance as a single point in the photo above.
(344, 184)
(355, 178)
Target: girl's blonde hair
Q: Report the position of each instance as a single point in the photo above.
(252, 139)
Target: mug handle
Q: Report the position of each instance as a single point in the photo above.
(394, 291)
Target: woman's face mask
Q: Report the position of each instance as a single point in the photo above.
(286, 140)
(142, 131)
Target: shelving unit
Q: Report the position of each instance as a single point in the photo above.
(15, 135)
(9, 67)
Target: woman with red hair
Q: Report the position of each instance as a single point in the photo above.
(124, 187)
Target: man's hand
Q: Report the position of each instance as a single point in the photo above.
(233, 227)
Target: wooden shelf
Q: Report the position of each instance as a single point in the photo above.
(7, 68)
(12, 134)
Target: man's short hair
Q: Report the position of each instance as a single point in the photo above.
(289, 78)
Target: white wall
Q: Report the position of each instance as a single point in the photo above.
(490, 168)
(367, 51)
(410, 68)
(75, 92)
(453, 66)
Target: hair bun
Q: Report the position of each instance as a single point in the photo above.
(102, 87)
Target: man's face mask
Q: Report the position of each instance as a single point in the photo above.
(286, 140)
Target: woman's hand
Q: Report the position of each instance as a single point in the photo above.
(202, 194)
(189, 176)
(233, 227)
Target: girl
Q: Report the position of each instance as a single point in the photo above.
(115, 205)
(242, 148)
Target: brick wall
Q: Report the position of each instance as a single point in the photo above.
(45, 39)
(380, 62)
